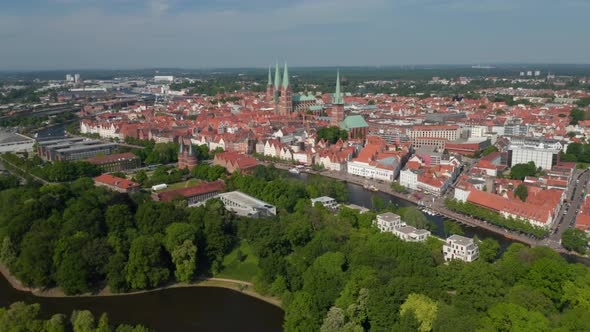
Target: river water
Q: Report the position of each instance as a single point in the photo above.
(174, 309)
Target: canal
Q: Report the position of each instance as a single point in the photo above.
(363, 197)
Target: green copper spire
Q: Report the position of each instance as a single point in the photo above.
(286, 77)
(338, 94)
(277, 77)
(269, 76)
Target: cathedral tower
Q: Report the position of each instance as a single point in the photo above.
(337, 104)
(286, 95)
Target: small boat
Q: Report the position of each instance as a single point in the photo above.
(294, 171)
(373, 188)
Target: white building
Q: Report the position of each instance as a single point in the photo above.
(543, 155)
(168, 79)
(328, 202)
(246, 206)
(377, 172)
(15, 142)
(392, 223)
(387, 222)
(408, 178)
(411, 234)
(460, 247)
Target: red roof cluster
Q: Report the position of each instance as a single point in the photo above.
(116, 181)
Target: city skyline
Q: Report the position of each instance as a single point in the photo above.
(116, 34)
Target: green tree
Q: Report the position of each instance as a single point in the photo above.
(118, 219)
(521, 192)
(21, 317)
(146, 266)
(115, 273)
(423, 307)
(184, 258)
(73, 274)
(575, 239)
(414, 217)
(301, 314)
(103, 324)
(512, 317)
(520, 171)
(334, 321)
(488, 249)
(57, 323)
(82, 321)
(489, 150)
(452, 227)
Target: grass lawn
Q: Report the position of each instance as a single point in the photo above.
(234, 269)
(184, 184)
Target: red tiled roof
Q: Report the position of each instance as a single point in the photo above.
(199, 189)
(116, 181)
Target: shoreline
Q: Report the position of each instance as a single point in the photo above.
(240, 286)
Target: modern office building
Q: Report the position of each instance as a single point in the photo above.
(544, 155)
(246, 206)
(72, 149)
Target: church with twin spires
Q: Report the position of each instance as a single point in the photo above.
(281, 94)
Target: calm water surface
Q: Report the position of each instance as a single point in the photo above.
(175, 309)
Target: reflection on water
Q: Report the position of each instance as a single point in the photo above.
(175, 309)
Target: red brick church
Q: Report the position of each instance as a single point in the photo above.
(186, 157)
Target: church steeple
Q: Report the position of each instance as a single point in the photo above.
(338, 94)
(269, 77)
(277, 77)
(285, 77)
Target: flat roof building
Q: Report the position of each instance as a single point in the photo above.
(73, 149)
(328, 202)
(460, 247)
(246, 206)
(15, 142)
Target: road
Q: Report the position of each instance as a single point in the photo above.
(575, 196)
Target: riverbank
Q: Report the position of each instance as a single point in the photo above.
(243, 287)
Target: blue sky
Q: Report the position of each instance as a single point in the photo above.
(70, 34)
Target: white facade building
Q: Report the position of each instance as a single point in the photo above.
(408, 179)
(411, 234)
(543, 155)
(328, 202)
(369, 171)
(387, 222)
(460, 247)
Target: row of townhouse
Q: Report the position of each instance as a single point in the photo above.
(376, 161)
(434, 179)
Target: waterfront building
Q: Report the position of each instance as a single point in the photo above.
(460, 247)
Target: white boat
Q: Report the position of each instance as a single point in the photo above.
(295, 170)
